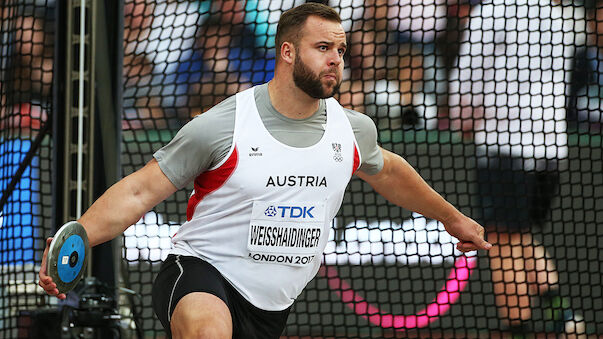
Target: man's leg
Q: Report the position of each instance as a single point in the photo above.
(521, 268)
(201, 315)
(190, 301)
(542, 275)
(509, 278)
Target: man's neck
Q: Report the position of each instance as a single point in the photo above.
(291, 101)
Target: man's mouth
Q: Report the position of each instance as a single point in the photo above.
(331, 77)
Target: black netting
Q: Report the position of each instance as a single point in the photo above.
(26, 56)
(438, 78)
(495, 103)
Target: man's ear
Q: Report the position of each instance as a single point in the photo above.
(288, 52)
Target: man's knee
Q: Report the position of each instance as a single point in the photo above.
(201, 315)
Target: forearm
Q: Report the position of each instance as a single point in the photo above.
(399, 183)
(117, 209)
(125, 203)
(403, 186)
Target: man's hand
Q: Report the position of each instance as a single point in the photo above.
(46, 281)
(469, 233)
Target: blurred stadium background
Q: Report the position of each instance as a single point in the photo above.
(137, 70)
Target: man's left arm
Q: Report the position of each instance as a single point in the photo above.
(400, 184)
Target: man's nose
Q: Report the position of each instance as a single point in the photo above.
(334, 58)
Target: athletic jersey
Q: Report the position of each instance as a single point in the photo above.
(262, 216)
(205, 141)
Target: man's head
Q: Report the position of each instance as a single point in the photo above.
(311, 41)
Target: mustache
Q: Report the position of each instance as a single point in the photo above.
(334, 71)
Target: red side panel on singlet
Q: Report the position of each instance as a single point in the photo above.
(356, 160)
(210, 181)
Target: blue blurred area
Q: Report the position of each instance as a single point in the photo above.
(251, 67)
(251, 64)
(17, 219)
(250, 56)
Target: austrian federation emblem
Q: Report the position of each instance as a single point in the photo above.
(337, 149)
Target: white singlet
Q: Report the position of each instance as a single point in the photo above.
(262, 216)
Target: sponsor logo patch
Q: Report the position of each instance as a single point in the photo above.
(255, 152)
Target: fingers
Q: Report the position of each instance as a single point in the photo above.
(481, 243)
(470, 235)
(468, 246)
(45, 256)
(44, 278)
(46, 281)
(43, 273)
(478, 243)
(465, 247)
(485, 245)
(478, 240)
(50, 287)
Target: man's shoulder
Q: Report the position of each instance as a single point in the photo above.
(216, 120)
(359, 121)
(227, 107)
(223, 108)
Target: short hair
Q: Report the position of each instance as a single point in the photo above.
(292, 21)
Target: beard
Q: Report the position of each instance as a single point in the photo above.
(310, 83)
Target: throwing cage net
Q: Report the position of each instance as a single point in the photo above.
(497, 104)
(26, 56)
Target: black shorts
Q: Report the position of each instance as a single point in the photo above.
(181, 275)
(512, 199)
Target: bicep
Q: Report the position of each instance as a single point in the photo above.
(365, 133)
(383, 177)
(125, 202)
(150, 184)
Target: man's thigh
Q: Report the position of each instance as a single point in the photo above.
(188, 290)
(201, 315)
(188, 281)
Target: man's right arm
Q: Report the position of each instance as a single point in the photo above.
(199, 144)
(119, 207)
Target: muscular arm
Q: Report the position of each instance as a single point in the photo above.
(400, 184)
(125, 202)
(118, 208)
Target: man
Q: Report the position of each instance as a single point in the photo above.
(508, 94)
(269, 179)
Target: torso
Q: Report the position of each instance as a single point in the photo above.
(266, 222)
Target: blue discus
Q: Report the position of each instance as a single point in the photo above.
(71, 258)
(68, 255)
